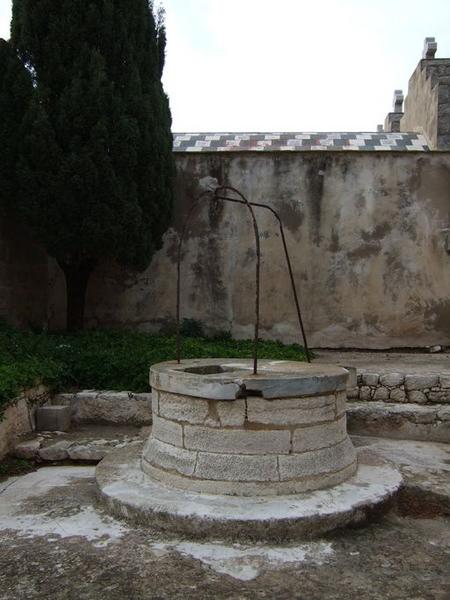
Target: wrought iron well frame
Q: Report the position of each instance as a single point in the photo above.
(220, 194)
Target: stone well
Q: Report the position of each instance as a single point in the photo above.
(219, 429)
(237, 455)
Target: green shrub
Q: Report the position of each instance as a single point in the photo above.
(109, 359)
(191, 328)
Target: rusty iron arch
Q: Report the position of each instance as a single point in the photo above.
(220, 193)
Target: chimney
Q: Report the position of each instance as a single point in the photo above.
(429, 48)
(398, 101)
(392, 121)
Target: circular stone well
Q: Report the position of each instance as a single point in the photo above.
(237, 454)
(220, 429)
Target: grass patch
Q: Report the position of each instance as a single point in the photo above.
(109, 359)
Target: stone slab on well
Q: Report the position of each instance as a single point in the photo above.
(332, 459)
(319, 436)
(237, 441)
(170, 457)
(128, 492)
(292, 411)
(228, 379)
(180, 408)
(166, 430)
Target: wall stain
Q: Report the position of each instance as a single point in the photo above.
(316, 172)
(360, 203)
(371, 320)
(382, 187)
(334, 243)
(380, 232)
(366, 251)
(291, 214)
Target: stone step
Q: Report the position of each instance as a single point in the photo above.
(400, 421)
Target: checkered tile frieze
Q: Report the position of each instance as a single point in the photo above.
(266, 142)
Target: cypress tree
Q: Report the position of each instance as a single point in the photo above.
(15, 95)
(96, 165)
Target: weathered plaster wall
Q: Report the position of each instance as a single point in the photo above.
(363, 230)
(427, 105)
(23, 276)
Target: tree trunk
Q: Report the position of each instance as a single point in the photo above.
(77, 278)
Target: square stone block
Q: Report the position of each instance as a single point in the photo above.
(53, 418)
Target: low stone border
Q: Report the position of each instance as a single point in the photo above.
(399, 421)
(419, 388)
(108, 407)
(18, 417)
(46, 447)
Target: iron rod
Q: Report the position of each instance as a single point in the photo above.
(289, 266)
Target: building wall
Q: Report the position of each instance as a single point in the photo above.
(427, 105)
(363, 229)
(23, 276)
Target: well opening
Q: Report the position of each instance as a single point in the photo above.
(208, 370)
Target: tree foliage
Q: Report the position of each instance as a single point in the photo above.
(15, 94)
(96, 164)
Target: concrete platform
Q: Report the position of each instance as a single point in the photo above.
(127, 492)
(425, 468)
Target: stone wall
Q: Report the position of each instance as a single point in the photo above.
(365, 234)
(418, 388)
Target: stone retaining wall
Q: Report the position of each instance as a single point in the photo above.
(108, 407)
(430, 423)
(418, 388)
(19, 417)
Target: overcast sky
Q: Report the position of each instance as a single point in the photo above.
(291, 65)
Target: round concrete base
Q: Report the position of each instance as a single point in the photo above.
(128, 492)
